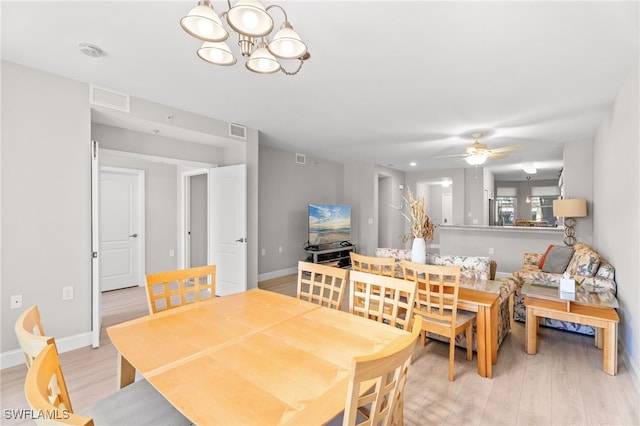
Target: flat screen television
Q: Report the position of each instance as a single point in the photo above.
(329, 224)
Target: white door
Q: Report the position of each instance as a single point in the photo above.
(121, 228)
(228, 227)
(96, 295)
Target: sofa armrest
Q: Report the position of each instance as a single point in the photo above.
(599, 283)
(535, 275)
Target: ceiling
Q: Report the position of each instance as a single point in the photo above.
(388, 82)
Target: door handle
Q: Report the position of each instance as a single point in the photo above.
(133, 236)
(241, 240)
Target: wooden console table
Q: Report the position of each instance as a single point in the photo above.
(583, 307)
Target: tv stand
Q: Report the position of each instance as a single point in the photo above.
(336, 253)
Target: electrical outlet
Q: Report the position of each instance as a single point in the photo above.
(172, 253)
(263, 252)
(16, 301)
(67, 293)
(490, 250)
(280, 249)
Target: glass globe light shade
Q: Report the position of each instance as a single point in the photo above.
(476, 159)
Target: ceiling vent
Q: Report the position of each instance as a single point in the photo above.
(109, 99)
(301, 159)
(238, 131)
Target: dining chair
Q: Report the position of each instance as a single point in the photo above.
(377, 381)
(437, 302)
(30, 334)
(381, 298)
(373, 264)
(322, 284)
(137, 404)
(167, 290)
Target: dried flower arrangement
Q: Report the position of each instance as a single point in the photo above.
(421, 225)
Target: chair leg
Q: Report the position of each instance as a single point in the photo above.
(470, 342)
(423, 335)
(452, 346)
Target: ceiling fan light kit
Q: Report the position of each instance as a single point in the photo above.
(478, 153)
(252, 24)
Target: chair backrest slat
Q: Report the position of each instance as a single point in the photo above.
(321, 284)
(381, 298)
(372, 264)
(166, 290)
(30, 334)
(388, 370)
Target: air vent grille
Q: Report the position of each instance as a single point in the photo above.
(109, 99)
(237, 131)
(301, 158)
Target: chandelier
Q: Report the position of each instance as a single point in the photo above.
(253, 24)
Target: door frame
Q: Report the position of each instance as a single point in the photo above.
(141, 201)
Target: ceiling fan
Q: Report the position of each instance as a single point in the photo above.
(477, 153)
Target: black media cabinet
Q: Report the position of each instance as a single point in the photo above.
(338, 254)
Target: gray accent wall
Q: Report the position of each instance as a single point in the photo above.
(46, 209)
(616, 195)
(46, 196)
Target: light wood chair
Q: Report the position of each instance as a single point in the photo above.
(381, 298)
(437, 303)
(137, 404)
(383, 375)
(322, 284)
(372, 264)
(30, 333)
(167, 290)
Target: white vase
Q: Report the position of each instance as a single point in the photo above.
(419, 251)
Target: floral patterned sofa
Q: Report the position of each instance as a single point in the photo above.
(586, 266)
(472, 267)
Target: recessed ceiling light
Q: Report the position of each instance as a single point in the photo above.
(412, 164)
(90, 50)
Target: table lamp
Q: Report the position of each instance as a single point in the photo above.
(569, 209)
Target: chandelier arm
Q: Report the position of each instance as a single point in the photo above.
(229, 3)
(284, 12)
(292, 72)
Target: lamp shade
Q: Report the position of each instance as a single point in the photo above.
(203, 23)
(216, 53)
(262, 61)
(250, 18)
(286, 44)
(574, 207)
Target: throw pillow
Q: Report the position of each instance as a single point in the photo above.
(557, 259)
(544, 256)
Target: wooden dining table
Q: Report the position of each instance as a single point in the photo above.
(256, 357)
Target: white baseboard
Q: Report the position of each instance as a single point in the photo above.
(633, 368)
(65, 344)
(503, 274)
(277, 274)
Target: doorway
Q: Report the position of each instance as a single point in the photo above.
(384, 214)
(196, 229)
(122, 227)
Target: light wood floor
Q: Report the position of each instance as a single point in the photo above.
(562, 385)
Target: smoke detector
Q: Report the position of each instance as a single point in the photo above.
(90, 50)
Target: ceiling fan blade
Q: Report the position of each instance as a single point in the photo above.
(507, 148)
(452, 155)
(500, 156)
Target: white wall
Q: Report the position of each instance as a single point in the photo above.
(616, 195)
(578, 183)
(46, 177)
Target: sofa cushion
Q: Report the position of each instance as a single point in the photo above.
(585, 261)
(544, 256)
(557, 259)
